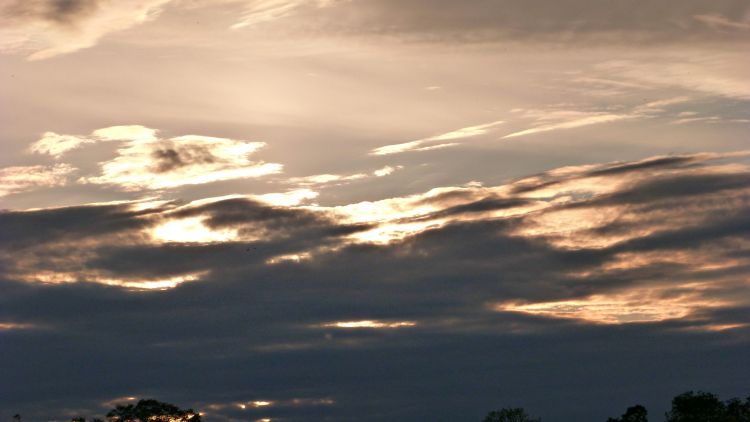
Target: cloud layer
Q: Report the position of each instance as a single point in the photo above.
(47, 28)
(573, 247)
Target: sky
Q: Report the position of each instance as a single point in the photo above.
(337, 210)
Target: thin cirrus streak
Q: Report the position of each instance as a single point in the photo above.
(326, 179)
(435, 142)
(257, 12)
(552, 120)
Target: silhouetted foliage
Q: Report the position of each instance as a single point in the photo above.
(152, 411)
(697, 407)
(686, 407)
(635, 413)
(509, 415)
(737, 411)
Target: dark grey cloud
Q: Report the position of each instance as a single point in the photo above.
(482, 205)
(250, 330)
(170, 158)
(64, 12)
(254, 217)
(546, 180)
(680, 186)
(22, 229)
(659, 162)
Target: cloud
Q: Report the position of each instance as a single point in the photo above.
(368, 324)
(551, 120)
(259, 11)
(47, 28)
(720, 22)
(42, 29)
(185, 160)
(134, 133)
(56, 145)
(638, 305)
(713, 73)
(326, 179)
(419, 145)
(578, 119)
(563, 21)
(583, 257)
(146, 161)
(23, 178)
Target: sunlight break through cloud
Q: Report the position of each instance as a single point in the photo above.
(631, 306)
(370, 324)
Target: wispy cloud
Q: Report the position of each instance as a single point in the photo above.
(45, 28)
(718, 21)
(630, 306)
(260, 11)
(576, 120)
(23, 178)
(57, 145)
(425, 144)
(42, 29)
(551, 120)
(325, 179)
(713, 73)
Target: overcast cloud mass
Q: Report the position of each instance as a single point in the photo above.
(286, 210)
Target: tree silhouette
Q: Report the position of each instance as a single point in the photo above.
(737, 411)
(697, 407)
(152, 411)
(635, 413)
(516, 414)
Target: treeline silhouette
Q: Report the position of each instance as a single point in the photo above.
(148, 410)
(687, 407)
